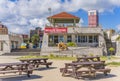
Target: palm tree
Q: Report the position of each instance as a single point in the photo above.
(35, 39)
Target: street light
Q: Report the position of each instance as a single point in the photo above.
(49, 9)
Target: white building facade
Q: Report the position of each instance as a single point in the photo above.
(89, 40)
(9, 42)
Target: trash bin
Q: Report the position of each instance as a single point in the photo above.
(34, 46)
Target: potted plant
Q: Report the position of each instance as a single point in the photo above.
(111, 49)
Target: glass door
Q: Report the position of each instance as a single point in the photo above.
(55, 39)
(61, 39)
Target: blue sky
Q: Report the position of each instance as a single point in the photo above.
(22, 15)
(106, 19)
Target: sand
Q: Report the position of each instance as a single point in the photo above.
(53, 73)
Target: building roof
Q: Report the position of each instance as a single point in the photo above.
(64, 15)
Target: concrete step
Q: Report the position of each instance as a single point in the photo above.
(26, 50)
(21, 53)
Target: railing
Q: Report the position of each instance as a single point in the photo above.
(78, 44)
(61, 25)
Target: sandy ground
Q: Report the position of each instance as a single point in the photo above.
(53, 73)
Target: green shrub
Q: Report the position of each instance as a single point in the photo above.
(44, 56)
(114, 63)
(91, 54)
(71, 44)
(51, 55)
(111, 49)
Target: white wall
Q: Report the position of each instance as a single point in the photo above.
(6, 44)
(118, 48)
(114, 37)
(16, 38)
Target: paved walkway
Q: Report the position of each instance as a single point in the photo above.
(53, 74)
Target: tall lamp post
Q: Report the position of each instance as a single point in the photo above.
(49, 9)
(76, 33)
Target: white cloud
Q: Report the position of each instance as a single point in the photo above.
(101, 5)
(81, 22)
(118, 27)
(22, 15)
(38, 22)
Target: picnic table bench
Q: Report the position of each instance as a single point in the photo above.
(74, 69)
(97, 67)
(37, 61)
(16, 67)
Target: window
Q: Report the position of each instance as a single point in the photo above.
(91, 13)
(69, 38)
(82, 39)
(79, 38)
(51, 37)
(90, 39)
(76, 37)
(61, 39)
(56, 39)
(96, 39)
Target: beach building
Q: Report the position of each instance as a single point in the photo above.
(8, 41)
(65, 27)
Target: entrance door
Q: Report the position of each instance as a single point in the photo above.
(55, 39)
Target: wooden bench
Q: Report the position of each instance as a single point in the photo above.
(37, 61)
(105, 71)
(15, 71)
(101, 68)
(78, 69)
(78, 73)
(47, 64)
(65, 71)
(19, 67)
(86, 72)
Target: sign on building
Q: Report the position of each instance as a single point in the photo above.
(55, 30)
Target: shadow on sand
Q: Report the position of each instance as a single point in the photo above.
(98, 77)
(44, 68)
(18, 77)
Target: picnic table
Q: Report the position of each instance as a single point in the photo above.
(92, 59)
(37, 61)
(16, 67)
(74, 69)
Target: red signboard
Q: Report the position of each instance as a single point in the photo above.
(55, 30)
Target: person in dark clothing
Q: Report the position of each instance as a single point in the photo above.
(27, 46)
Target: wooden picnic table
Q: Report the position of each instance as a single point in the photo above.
(37, 61)
(88, 58)
(75, 68)
(16, 67)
